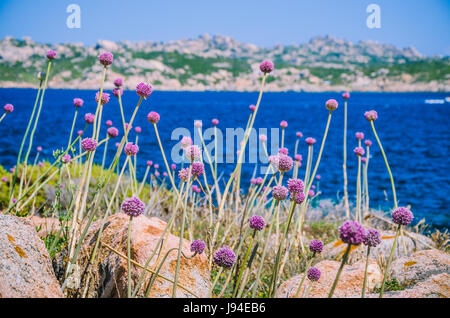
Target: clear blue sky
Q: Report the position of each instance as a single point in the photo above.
(424, 24)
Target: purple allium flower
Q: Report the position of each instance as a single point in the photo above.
(283, 151)
(198, 246)
(117, 144)
(112, 132)
(133, 206)
(118, 82)
(186, 142)
(359, 135)
(106, 58)
(51, 55)
(280, 192)
(331, 104)
(298, 197)
(266, 66)
(299, 134)
(258, 181)
(262, 138)
(310, 141)
(359, 151)
(253, 181)
(173, 166)
(298, 157)
(66, 158)
(193, 153)
(196, 189)
(313, 274)
(156, 166)
(283, 124)
(311, 193)
(372, 238)
(126, 126)
(165, 174)
(402, 216)
(39, 148)
(118, 91)
(138, 130)
(363, 159)
(224, 257)
(105, 98)
(257, 223)
(371, 115)
(252, 108)
(295, 185)
(153, 117)
(215, 121)
(8, 108)
(80, 132)
(351, 232)
(285, 163)
(89, 144)
(316, 246)
(197, 169)
(318, 177)
(183, 174)
(144, 90)
(40, 164)
(156, 173)
(89, 118)
(346, 95)
(149, 163)
(368, 143)
(198, 124)
(131, 149)
(109, 123)
(78, 102)
(313, 187)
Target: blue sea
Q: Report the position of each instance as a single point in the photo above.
(415, 135)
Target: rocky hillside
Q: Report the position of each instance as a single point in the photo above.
(222, 63)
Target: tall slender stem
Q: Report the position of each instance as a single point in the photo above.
(344, 260)
(365, 273)
(129, 256)
(344, 164)
(388, 264)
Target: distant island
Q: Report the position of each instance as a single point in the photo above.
(220, 63)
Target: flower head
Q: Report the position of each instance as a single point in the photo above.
(78, 102)
(262, 138)
(313, 274)
(112, 132)
(318, 177)
(295, 185)
(285, 163)
(183, 174)
(80, 132)
(149, 163)
(51, 55)
(316, 246)
(117, 91)
(298, 197)
(106, 58)
(280, 192)
(258, 181)
(4, 179)
(371, 115)
(133, 206)
(283, 124)
(224, 257)
(346, 95)
(359, 135)
(8, 108)
(298, 157)
(363, 159)
(153, 117)
(131, 149)
(173, 166)
(368, 143)
(118, 82)
(402, 216)
(198, 124)
(331, 104)
(66, 158)
(311, 193)
(359, 151)
(266, 66)
(109, 123)
(257, 222)
(89, 118)
(105, 98)
(138, 130)
(198, 246)
(39, 148)
(283, 151)
(89, 144)
(310, 141)
(193, 153)
(372, 238)
(196, 189)
(144, 90)
(252, 108)
(299, 134)
(351, 232)
(185, 142)
(197, 169)
(215, 121)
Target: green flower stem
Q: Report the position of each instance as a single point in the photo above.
(344, 164)
(365, 273)
(121, 113)
(244, 263)
(358, 190)
(104, 151)
(73, 126)
(344, 260)
(388, 264)
(129, 256)
(303, 278)
(3, 116)
(387, 164)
